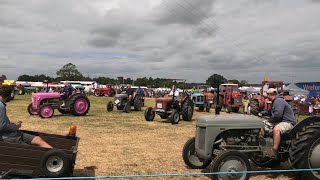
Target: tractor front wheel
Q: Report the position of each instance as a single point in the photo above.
(31, 111)
(174, 117)
(149, 114)
(109, 106)
(46, 111)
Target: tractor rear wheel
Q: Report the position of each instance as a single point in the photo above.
(208, 107)
(137, 104)
(235, 109)
(187, 110)
(228, 108)
(149, 114)
(127, 107)
(305, 150)
(190, 157)
(79, 105)
(22, 90)
(254, 107)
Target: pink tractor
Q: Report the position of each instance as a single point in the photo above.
(43, 104)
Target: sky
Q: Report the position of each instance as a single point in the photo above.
(191, 39)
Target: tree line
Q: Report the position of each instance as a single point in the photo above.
(71, 73)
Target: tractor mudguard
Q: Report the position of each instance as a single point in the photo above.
(298, 127)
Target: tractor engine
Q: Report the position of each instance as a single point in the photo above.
(239, 138)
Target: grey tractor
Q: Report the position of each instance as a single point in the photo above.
(228, 142)
(122, 102)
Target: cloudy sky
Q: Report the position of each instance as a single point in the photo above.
(192, 39)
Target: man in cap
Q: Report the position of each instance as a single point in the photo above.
(281, 121)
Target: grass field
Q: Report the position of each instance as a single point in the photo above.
(117, 143)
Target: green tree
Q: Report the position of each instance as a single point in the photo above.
(215, 80)
(243, 83)
(70, 72)
(234, 81)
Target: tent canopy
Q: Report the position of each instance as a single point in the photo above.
(295, 90)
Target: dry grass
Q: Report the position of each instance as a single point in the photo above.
(116, 143)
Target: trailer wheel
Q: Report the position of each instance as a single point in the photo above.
(55, 163)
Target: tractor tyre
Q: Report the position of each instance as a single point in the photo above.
(31, 111)
(97, 92)
(22, 90)
(46, 111)
(174, 117)
(109, 106)
(190, 157)
(187, 110)
(254, 107)
(79, 105)
(149, 114)
(127, 107)
(233, 161)
(137, 104)
(164, 115)
(235, 109)
(55, 163)
(208, 107)
(201, 108)
(305, 151)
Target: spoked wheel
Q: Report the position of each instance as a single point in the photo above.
(175, 117)
(109, 106)
(149, 114)
(190, 157)
(31, 111)
(230, 161)
(46, 111)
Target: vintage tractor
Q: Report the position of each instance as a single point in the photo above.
(11, 83)
(29, 161)
(230, 97)
(168, 106)
(203, 100)
(43, 104)
(122, 102)
(260, 101)
(228, 142)
(106, 91)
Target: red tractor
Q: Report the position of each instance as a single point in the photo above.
(230, 97)
(260, 101)
(105, 91)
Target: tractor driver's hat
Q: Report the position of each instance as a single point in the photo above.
(272, 91)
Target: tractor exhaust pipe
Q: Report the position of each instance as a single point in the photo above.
(218, 108)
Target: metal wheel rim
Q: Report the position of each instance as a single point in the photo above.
(54, 164)
(81, 105)
(231, 164)
(313, 157)
(176, 117)
(46, 111)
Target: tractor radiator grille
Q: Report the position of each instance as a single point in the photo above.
(198, 99)
(238, 100)
(201, 137)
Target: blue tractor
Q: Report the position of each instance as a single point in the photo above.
(202, 101)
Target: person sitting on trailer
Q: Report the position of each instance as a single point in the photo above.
(9, 132)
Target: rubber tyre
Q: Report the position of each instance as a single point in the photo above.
(109, 106)
(42, 109)
(73, 100)
(208, 107)
(137, 104)
(22, 90)
(189, 157)
(300, 149)
(254, 107)
(149, 114)
(120, 108)
(220, 159)
(127, 107)
(201, 108)
(164, 115)
(29, 109)
(187, 110)
(228, 108)
(174, 117)
(54, 155)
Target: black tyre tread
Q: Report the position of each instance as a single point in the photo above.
(137, 104)
(254, 107)
(171, 118)
(149, 110)
(73, 100)
(186, 159)
(109, 106)
(29, 109)
(127, 107)
(64, 172)
(303, 140)
(184, 111)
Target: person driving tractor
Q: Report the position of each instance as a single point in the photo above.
(281, 121)
(66, 91)
(130, 92)
(9, 132)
